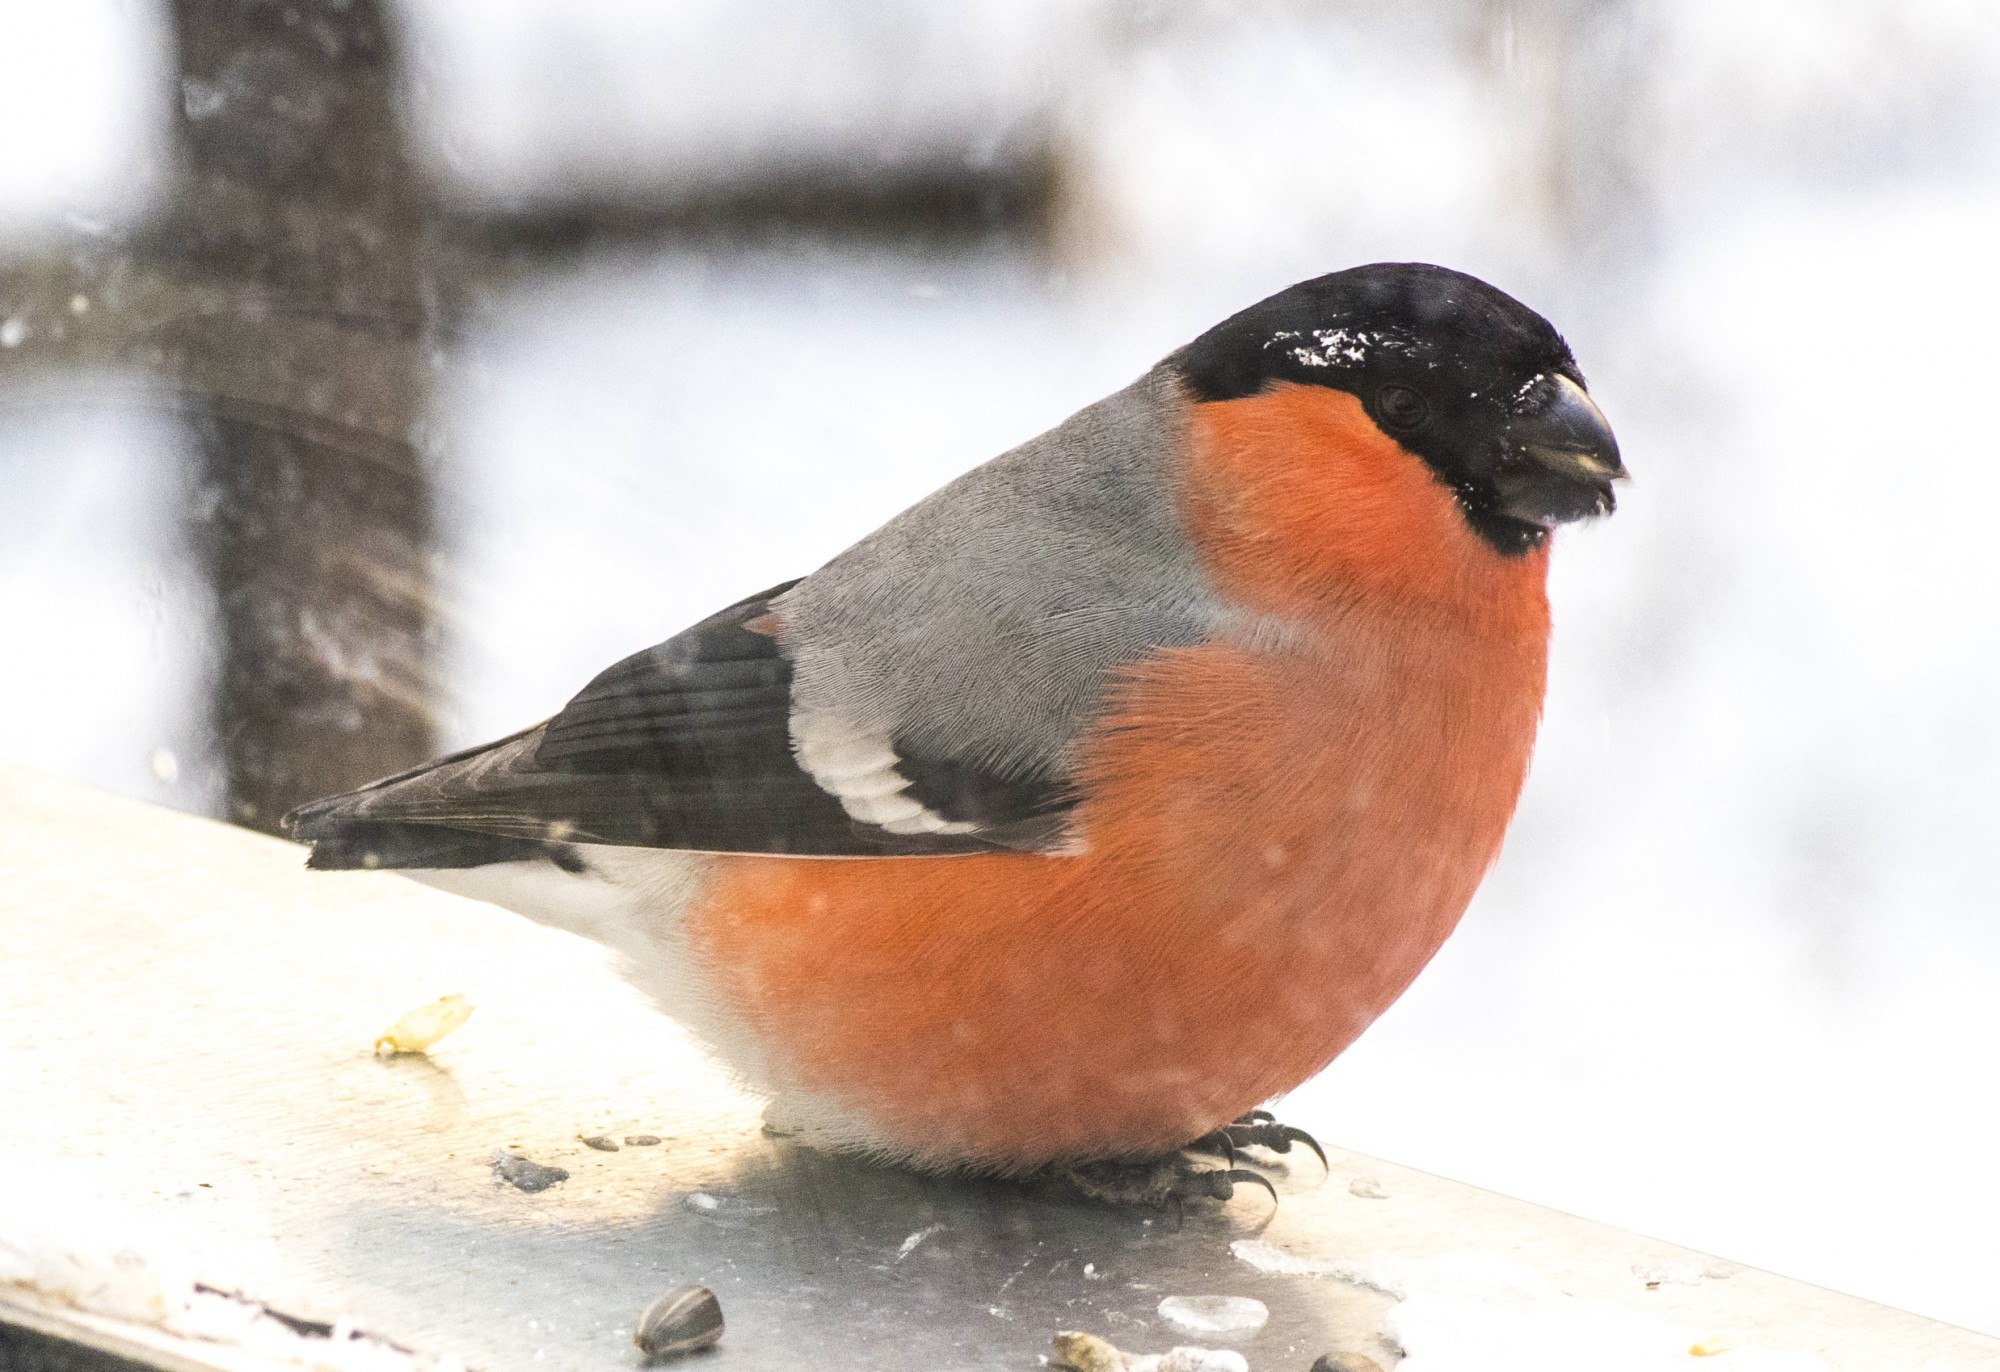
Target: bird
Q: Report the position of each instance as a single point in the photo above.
(1103, 795)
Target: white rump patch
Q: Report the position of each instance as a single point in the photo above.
(856, 764)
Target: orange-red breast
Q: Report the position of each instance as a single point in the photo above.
(1107, 792)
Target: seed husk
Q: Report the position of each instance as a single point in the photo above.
(525, 1174)
(1346, 1362)
(683, 1320)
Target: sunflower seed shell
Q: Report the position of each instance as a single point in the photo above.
(683, 1320)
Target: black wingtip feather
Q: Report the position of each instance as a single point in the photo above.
(366, 846)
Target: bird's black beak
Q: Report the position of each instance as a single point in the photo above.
(1558, 456)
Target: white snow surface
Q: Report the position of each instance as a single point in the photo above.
(1468, 1312)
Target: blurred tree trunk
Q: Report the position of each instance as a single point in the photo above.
(300, 219)
(1581, 67)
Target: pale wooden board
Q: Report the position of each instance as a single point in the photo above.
(186, 1021)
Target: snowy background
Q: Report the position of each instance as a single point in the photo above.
(1736, 981)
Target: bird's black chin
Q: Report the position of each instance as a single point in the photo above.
(1506, 535)
(1521, 519)
(1545, 497)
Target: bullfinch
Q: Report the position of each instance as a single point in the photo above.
(1105, 793)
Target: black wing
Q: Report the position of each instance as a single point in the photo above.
(686, 745)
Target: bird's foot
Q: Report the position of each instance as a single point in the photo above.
(1170, 1181)
(1160, 1183)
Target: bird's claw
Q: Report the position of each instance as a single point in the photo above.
(1221, 1183)
(1259, 1130)
(1216, 1141)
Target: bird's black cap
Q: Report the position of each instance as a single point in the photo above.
(1457, 371)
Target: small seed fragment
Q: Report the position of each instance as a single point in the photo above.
(642, 1140)
(599, 1142)
(423, 1026)
(1077, 1351)
(683, 1320)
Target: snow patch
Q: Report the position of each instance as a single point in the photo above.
(1329, 348)
(1466, 1312)
(1215, 1314)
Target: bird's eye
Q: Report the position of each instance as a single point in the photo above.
(1401, 407)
